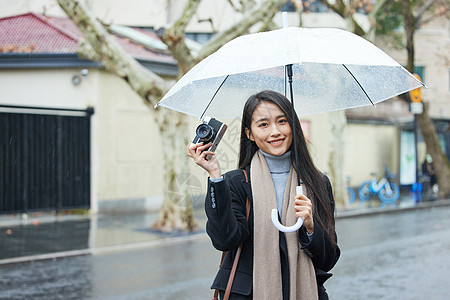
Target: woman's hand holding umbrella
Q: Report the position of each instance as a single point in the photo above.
(303, 209)
(198, 153)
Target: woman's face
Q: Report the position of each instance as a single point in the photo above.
(270, 129)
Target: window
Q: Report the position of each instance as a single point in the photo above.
(288, 7)
(420, 70)
(199, 37)
(315, 6)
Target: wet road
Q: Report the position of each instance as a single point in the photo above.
(390, 256)
(394, 256)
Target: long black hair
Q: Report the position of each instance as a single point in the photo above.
(309, 174)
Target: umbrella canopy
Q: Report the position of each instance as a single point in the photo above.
(332, 69)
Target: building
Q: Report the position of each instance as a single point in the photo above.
(65, 143)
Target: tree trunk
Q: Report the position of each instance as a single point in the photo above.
(440, 161)
(336, 161)
(177, 209)
(410, 28)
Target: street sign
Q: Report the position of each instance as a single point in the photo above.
(416, 94)
(416, 108)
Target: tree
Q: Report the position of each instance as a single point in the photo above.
(412, 15)
(98, 44)
(415, 14)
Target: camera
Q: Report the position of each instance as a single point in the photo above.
(210, 131)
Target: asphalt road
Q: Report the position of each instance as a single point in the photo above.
(404, 255)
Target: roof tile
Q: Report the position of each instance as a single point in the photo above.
(29, 33)
(36, 33)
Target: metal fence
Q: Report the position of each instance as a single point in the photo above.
(44, 159)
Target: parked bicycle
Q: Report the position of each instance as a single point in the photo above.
(387, 190)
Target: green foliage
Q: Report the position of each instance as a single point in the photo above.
(390, 18)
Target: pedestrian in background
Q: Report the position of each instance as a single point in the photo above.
(273, 264)
(428, 170)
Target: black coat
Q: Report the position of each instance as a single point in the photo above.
(227, 227)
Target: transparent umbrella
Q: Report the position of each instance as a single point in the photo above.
(332, 69)
(327, 69)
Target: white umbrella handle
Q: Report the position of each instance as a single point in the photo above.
(280, 226)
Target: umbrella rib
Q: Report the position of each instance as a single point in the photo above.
(359, 84)
(210, 101)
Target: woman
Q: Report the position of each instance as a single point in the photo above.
(273, 265)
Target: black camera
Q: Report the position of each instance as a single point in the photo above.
(210, 131)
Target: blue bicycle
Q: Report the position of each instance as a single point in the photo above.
(387, 191)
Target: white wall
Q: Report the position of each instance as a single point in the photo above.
(47, 88)
(130, 157)
(369, 148)
(17, 7)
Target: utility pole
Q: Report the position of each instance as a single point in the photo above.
(416, 107)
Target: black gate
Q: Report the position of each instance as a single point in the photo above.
(44, 159)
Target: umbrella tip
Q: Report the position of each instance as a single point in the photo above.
(284, 15)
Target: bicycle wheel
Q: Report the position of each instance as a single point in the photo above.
(351, 195)
(364, 191)
(389, 196)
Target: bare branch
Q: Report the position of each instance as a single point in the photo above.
(245, 5)
(234, 6)
(379, 5)
(423, 9)
(346, 12)
(434, 16)
(443, 11)
(147, 84)
(266, 10)
(189, 11)
(338, 7)
(174, 37)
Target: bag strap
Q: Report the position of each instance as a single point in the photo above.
(236, 258)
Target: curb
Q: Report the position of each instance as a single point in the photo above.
(343, 214)
(42, 218)
(107, 249)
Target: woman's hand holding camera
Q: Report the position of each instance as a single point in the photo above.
(198, 153)
(303, 209)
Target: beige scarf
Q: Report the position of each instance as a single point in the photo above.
(266, 261)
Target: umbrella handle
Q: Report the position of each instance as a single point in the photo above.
(280, 226)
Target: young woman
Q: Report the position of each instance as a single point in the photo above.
(272, 265)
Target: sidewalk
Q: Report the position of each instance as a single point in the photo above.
(40, 236)
(43, 235)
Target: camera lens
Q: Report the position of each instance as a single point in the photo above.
(204, 132)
